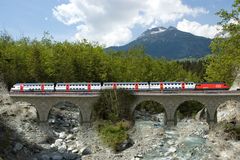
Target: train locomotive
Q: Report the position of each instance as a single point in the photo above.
(134, 86)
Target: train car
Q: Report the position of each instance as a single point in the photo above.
(78, 87)
(164, 86)
(126, 85)
(33, 87)
(212, 86)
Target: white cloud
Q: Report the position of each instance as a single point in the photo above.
(196, 28)
(111, 21)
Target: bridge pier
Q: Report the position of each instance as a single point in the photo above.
(170, 122)
(212, 114)
(42, 111)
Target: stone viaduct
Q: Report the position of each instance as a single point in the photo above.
(170, 102)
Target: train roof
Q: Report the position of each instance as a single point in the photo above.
(211, 83)
(79, 83)
(172, 82)
(124, 82)
(34, 83)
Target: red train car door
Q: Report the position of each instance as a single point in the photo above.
(21, 87)
(183, 86)
(114, 86)
(42, 87)
(89, 87)
(161, 86)
(67, 87)
(136, 87)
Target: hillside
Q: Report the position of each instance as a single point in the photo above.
(170, 43)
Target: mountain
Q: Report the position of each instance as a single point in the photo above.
(170, 43)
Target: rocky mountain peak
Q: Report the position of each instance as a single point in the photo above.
(172, 28)
(154, 30)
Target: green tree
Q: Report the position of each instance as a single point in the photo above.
(224, 64)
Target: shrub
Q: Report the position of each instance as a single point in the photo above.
(232, 130)
(114, 134)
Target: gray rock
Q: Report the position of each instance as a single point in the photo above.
(70, 148)
(57, 157)
(75, 129)
(74, 151)
(85, 151)
(70, 136)
(172, 149)
(58, 142)
(45, 157)
(138, 156)
(70, 156)
(51, 121)
(17, 147)
(62, 135)
(53, 145)
(126, 144)
(62, 148)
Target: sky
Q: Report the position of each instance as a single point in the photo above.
(108, 22)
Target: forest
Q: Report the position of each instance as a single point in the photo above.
(47, 60)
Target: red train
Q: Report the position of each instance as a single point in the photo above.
(212, 86)
(136, 86)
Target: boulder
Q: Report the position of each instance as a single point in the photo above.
(58, 142)
(62, 135)
(57, 157)
(124, 145)
(70, 136)
(45, 157)
(229, 112)
(17, 147)
(85, 151)
(62, 148)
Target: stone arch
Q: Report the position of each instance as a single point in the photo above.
(228, 110)
(184, 107)
(65, 114)
(139, 102)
